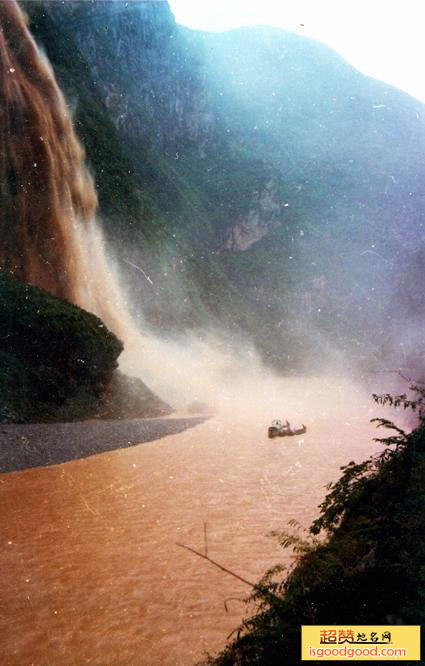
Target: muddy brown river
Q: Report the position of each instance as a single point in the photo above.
(90, 569)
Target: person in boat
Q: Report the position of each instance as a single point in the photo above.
(286, 428)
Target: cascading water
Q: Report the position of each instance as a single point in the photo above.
(46, 190)
(49, 236)
(48, 231)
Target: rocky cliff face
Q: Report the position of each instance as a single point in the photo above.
(256, 161)
(145, 72)
(153, 78)
(222, 112)
(264, 214)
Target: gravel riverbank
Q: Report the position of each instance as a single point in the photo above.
(40, 444)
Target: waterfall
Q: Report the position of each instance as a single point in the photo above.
(48, 231)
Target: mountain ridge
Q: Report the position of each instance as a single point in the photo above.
(309, 168)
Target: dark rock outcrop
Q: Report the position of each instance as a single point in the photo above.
(58, 362)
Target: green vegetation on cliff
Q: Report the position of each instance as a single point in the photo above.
(370, 568)
(52, 354)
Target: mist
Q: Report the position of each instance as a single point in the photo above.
(212, 369)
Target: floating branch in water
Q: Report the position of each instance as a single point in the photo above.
(216, 564)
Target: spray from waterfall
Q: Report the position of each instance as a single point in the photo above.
(49, 237)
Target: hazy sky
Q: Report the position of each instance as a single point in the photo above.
(382, 38)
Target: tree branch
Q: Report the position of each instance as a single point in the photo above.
(216, 564)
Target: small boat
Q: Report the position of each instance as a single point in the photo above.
(279, 429)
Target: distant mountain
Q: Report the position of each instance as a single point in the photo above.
(264, 184)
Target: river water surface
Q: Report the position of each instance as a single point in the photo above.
(90, 567)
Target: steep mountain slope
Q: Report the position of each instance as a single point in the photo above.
(262, 183)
